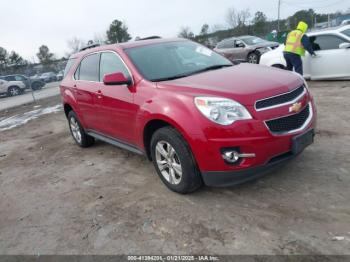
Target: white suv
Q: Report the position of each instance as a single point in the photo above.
(332, 46)
(12, 88)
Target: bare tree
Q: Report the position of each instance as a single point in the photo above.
(235, 18)
(232, 18)
(74, 45)
(244, 16)
(100, 39)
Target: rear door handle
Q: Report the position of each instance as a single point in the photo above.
(99, 94)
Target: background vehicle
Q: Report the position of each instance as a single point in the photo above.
(332, 47)
(345, 22)
(245, 48)
(59, 76)
(12, 88)
(48, 77)
(35, 84)
(199, 118)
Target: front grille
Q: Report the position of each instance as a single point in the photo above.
(277, 100)
(289, 123)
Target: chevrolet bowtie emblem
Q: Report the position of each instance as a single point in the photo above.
(295, 108)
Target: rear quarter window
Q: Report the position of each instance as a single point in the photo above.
(69, 65)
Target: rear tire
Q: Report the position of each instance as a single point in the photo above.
(80, 137)
(174, 162)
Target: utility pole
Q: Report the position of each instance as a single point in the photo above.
(279, 14)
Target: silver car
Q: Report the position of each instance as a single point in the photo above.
(244, 48)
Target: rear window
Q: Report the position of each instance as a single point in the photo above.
(69, 65)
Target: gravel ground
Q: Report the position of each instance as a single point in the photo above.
(57, 198)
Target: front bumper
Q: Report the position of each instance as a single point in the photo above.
(231, 178)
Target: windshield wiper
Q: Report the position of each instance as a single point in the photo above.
(209, 68)
(170, 77)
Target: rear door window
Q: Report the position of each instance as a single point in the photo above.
(227, 44)
(89, 69)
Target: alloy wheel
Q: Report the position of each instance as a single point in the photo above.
(253, 59)
(74, 127)
(168, 162)
(14, 91)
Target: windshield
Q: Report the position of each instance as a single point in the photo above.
(166, 61)
(252, 40)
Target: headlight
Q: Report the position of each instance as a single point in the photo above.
(264, 50)
(222, 111)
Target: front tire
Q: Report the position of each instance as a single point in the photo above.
(14, 91)
(80, 137)
(253, 58)
(174, 161)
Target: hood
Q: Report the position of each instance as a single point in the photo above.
(265, 44)
(302, 26)
(244, 83)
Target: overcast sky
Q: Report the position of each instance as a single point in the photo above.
(26, 24)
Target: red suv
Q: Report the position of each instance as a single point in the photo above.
(200, 119)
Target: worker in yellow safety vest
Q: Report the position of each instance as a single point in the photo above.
(296, 44)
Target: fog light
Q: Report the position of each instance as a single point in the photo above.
(231, 156)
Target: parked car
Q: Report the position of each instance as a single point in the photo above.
(12, 88)
(35, 84)
(205, 121)
(332, 47)
(60, 75)
(245, 48)
(345, 22)
(48, 77)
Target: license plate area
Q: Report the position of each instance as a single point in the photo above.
(300, 142)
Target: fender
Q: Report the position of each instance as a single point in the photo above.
(69, 98)
(177, 110)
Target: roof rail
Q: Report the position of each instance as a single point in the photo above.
(148, 38)
(88, 47)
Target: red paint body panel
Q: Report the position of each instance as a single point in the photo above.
(123, 112)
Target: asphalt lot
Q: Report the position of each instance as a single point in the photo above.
(57, 198)
(50, 89)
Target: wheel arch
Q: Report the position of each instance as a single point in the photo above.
(156, 123)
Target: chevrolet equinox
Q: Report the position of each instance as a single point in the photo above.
(198, 117)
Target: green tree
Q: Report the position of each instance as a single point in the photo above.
(205, 29)
(117, 32)
(186, 33)
(303, 15)
(259, 23)
(15, 59)
(3, 58)
(44, 55)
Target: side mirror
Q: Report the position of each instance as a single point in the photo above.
(344, 45)
(117, 78)
(240, 44)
